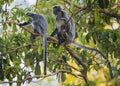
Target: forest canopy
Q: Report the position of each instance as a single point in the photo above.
(97, 28)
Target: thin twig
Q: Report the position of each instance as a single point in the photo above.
(107, 13)
(68, 49)
(36, 5)
(101, 11)
(65, 64)
(76, 57)
(28, 30)
(111, 14)
(40, 76)
(15, 49)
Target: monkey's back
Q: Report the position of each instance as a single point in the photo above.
(39, 23)
(72, 30)
(71, 24)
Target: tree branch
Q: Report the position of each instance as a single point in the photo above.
(31, 32)
(101, 11)
(12, 22)
(15, 49)
(110, 14)
(84, 71)
(107, 13)
(69, 50)
(75, 56)
(77, 6)
(40, 76)
(65, 64)
(36, 5)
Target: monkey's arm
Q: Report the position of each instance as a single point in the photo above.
(25, 23)
(54, 32)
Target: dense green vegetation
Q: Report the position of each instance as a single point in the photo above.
(97, 26)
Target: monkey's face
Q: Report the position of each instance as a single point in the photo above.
(29, 14)
(56, 10)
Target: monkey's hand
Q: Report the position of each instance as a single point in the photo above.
(21, 25)
(24, 23)
(54, 32)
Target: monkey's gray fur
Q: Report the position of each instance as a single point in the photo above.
(65, 27)
(40, 26)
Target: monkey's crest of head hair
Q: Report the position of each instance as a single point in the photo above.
(29, 13)
(59, 8)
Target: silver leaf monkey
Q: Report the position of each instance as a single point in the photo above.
(40, 26)
(65, 27)
(65, 31)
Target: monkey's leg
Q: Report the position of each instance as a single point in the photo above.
(61, 37)
(34, 36)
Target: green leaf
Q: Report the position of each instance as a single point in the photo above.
(14, 28)
(19, 78)
(104, 34)
(63, 77)
(40, 50)
(65, 58)
(76, 34)
(103, 3)
(97, 15)
(69, 69)
(113, 37)
(28, 59)
(88, 37)
(4, 26)
(56, 66)
(1, 74)
(1, 44)
(37, 69)
(55, 45)
(72, 4)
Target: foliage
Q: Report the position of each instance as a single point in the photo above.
(97, 26)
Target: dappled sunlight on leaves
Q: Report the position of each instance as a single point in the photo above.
(97, 27)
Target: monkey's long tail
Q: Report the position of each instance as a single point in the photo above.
(45, 52)
(89, 48)
(96, 50)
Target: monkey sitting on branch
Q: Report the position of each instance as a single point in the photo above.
(40, 26)
(65, 31)
(65, 27)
